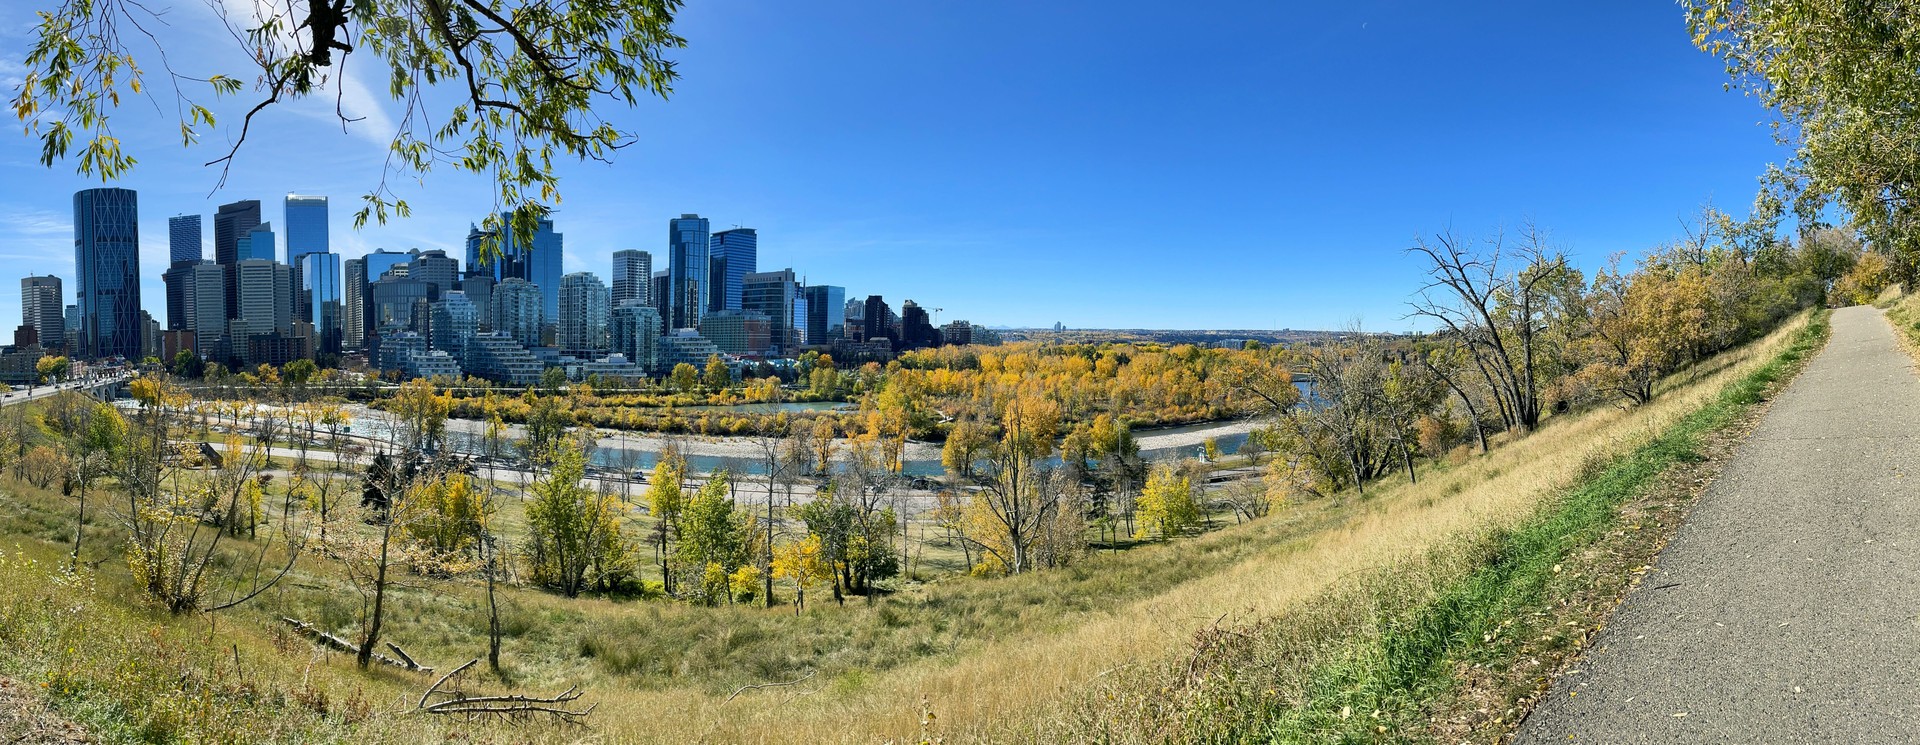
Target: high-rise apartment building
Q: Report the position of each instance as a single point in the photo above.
(634, 331)
(517, 310)
(856, 315)
(106, 250)
(732, 255)
(632, 277)
(687, 267)
(41, 308)
(583, 315)
(455, 320)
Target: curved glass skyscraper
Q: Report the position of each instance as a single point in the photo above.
(106, 257)
(687, 265)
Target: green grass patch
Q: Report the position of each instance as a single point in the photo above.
(1364, 663)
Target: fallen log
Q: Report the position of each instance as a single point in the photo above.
(509, 706)
(329, 640)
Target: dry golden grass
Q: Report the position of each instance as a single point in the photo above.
(1005, 688)
(1009, 688)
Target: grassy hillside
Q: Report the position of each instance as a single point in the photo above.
(999, 659)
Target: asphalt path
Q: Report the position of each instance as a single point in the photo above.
(1787, 607)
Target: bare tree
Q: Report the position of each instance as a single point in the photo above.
(1476, 295)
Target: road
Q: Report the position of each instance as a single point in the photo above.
(23, 395)
(1786, 608)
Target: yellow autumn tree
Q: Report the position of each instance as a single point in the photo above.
(1166, 504)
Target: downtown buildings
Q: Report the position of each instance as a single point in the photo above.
(276, 290)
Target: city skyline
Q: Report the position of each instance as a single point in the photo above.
(1103, 174)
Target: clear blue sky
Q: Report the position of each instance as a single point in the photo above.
(1103, 164)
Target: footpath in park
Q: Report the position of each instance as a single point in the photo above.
(1787, 607)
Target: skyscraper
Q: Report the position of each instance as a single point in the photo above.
(687, 267)
(183, 252)
(258, 242)
(183, 240)
(230, 224)
(361, 273)
(209, 318)
(915, 330)
(306, 223)
(266, 298)
(41, 307)
(440, 271)
(632, 276)
(583, 315)
(826, 313)
(733, 254)
(778, 296)
(106, 252)
(539, 263)
(353, 303)
(657, 294)
(319, 299)
(877, 317)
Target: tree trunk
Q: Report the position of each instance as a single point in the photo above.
(493, 608)
(379, 599)
(79, 529)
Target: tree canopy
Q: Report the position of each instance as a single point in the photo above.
(498, 88)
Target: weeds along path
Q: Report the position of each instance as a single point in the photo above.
(1016, 688)
(1784, 609)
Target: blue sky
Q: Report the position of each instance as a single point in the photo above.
(1110, 164)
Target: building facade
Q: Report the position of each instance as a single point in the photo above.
(106, 248)
(743, 333)
(538, 262)
(517, 311)
(732, 255)
(583, 315)
(318, 296)
(634, 332)
(42, 308)
(632, 277)
(231, 223)
(777, 295)
(688, 263)
(455, 320)
(826, 313)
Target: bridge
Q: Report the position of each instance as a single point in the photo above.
(104, 388)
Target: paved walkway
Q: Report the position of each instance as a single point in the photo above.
(1787, 607)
